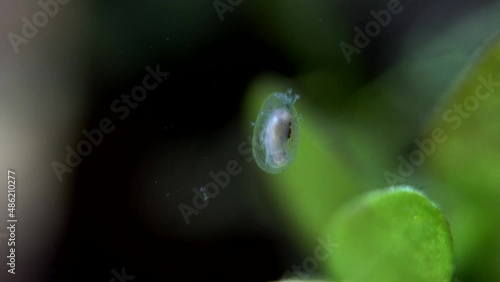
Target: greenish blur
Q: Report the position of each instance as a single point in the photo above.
(354, 134)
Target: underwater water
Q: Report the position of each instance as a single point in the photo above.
(235, 140)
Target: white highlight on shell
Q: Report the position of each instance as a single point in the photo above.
(276, 133)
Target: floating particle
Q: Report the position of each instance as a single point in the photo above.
(276, 133)
(204, 193)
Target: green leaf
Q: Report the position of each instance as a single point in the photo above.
(466, 164)
(470, 119)
(300, 191)
(391, 235)
(326, 171)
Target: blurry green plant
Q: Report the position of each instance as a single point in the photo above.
(352, 134)
(466, 166)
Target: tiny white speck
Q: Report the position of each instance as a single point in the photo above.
(168, 194)
(156, 181)
(205, 196)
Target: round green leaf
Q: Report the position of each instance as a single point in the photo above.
(391, 235)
